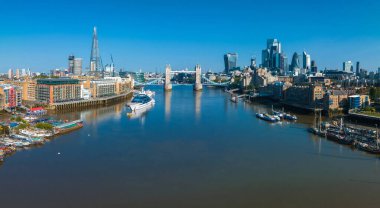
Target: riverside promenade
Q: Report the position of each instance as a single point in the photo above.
(91, 102)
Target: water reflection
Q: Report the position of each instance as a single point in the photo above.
(100, 114)
(198, 96)
(168, 98)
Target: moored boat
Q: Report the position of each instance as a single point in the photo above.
(141, 100)
(368, 147)
(338, 136)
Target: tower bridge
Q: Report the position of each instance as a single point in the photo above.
(200, 79)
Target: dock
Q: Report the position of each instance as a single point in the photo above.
(91, 102)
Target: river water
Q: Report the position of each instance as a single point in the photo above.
(190, 150)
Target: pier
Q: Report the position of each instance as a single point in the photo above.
(91, 102)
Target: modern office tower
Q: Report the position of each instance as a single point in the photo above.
(23, 72)
(77, 68)
(71, 64)
(95, 60)
(17, 73)
(265, 58)
(357, 68)
(10, 74)
(295, 62)
(230, 62)
(269, 54)
(253, 63)
(284, 66)
(347, 66)
(28, 72)
(314, 68)
(273, 56)
(274, 46)
(306, 61)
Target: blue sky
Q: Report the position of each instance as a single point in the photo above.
(148, 34)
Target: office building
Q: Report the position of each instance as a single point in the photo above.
(295, 63)
(253, 63)
(347, 66)
(10, 74)
(270, 55)
(230, 62)
(314, 68)
(95, 60)
(306, 61)
(358, 68)
(71, 64)
(77, 70)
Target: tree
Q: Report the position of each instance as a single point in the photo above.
(372, 93)
(45, 126)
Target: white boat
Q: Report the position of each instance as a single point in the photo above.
(234, 99)
(141, 101)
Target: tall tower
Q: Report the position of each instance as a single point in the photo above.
(95, 61)
(168, 85)
(71, 64)
(198, 78)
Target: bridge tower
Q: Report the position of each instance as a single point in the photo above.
(168, 86)
(198, 78)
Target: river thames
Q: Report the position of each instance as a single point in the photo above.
(192, 149)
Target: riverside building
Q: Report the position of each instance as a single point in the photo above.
(11, 96)
(50, 91)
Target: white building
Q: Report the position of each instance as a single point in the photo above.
(347, 66)
(10, 74)
(85, 93)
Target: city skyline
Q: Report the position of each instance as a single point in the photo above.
(144, 34)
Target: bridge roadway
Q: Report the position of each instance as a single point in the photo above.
(90, 102)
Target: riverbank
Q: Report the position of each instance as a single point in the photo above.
(19, 139)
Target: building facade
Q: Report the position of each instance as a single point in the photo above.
(11, 96)
(230, 62)
(102, 88)
(51, 91)
(306, 96)
(359, 101)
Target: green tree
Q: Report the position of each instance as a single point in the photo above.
(372, 93)
(45, 126)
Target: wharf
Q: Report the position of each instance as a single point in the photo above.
(364, 118)
(91, 102)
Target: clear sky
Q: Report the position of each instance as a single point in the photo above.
(146, 34)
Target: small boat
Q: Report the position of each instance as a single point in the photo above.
(367, 147)
(267, 117)
(234, 99)
(290, 117)
(141, 101)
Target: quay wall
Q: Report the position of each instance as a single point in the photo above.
(362, 118)
(88, 103)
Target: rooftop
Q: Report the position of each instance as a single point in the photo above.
(57, 81)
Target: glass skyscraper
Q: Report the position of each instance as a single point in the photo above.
(230, 62)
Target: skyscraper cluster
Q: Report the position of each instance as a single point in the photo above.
(274, 58)
(18, 74)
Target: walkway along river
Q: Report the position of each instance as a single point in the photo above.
(192, 149)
